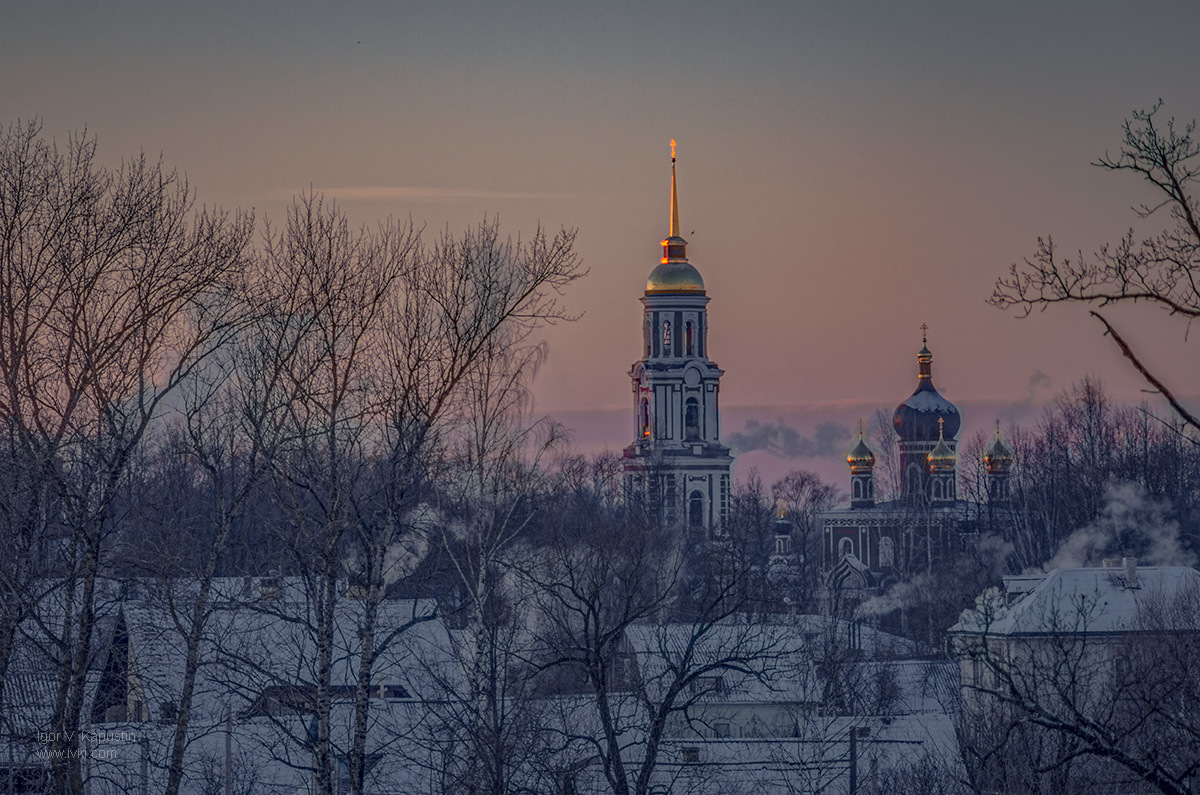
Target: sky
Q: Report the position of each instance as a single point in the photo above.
(847, 171)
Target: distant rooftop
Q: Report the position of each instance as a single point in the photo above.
(1111, 599)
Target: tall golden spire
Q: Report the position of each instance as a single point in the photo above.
(674, 274)
(674, 197)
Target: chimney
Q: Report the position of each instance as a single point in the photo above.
(1130, 566)
(1112, 563)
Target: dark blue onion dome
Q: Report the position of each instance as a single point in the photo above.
(916, 419)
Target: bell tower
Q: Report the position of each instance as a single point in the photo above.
(677, 462)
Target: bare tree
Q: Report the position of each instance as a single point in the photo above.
(1068, 464)
(461, 351)
(327, 290)
(224, 441)
(487, 727)
(1072, 705)
(387, 351)
(1160, 269)
(608, 586)
(806, 496)
(115, 294)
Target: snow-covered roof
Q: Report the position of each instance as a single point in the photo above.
(923, 687)
(766, 662)
(1080, 601)
(271, 643)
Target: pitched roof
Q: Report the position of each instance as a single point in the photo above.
(1079, 601)
(271, 643)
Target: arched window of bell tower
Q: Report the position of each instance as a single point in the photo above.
(644, 418)
(691, 418)
(689, 338)
(648, 334)
(858, 489)
(696, 509)
(666, 338)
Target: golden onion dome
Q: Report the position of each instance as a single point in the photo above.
(860, 456)
(941, 457)
(998, 456)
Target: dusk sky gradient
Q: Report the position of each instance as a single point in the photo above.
(850, 170)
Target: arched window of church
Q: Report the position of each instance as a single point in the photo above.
(691, 418)
(649, 334)
(845, 547)
(858, 490)
(696, 509)
(666, 338)
(887, 552)
(644, 417)
(689, 334)
(937, 489)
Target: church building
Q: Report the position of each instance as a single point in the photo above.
(871, 544)
(677, 463)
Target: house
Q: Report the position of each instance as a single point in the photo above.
(1083, 679)
(1105, 609)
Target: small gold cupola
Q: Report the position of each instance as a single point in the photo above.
(862, 472)
(998, 457)
(941, 458)
(860, 458)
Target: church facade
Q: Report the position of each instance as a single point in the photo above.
(676, 463)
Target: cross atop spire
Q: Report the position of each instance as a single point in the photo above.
(924, 328)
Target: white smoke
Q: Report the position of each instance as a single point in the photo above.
(910, 593)
(994, 552)
(1130, 523)
(784, 441)
(403, 556)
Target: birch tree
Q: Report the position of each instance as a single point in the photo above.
(395, 346)
(114, 293)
